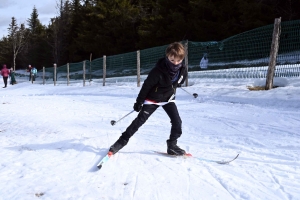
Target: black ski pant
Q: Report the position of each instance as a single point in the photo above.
(145, 113)
(5, 81)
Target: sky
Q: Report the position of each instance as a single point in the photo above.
(22, 9)
(52, 138)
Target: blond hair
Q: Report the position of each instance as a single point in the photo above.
(176, 49)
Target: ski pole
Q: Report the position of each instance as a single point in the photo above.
(113, 122)
(194, 94)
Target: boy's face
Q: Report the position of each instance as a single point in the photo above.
(174, 60)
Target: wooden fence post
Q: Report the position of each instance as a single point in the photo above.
(90, 68)
(273, 54)
(138, 68)
(83, 75)
(68, 74)
(43, 75)
(186, 46)
(104, 69)
(54, 75)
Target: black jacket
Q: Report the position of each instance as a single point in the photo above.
(158, 86)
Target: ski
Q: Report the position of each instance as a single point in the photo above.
(104, 160)
(187, 155)
(223, 162)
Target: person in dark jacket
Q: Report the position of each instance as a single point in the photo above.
(29, 70)
(12, 76)
(159, 89)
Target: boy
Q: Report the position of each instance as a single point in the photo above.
(159, 90)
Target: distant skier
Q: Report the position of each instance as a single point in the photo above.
(12, 77)
(158, 90)
(5, 73)
(204, 62)
(33, 73)
(29, 70)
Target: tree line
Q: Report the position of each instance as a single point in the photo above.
(110, 27)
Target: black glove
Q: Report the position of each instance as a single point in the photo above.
(178, 85)
(137, 106)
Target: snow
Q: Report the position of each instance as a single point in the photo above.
(52, 138)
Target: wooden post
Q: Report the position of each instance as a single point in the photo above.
(43, 75)
(138, 68)
(104, 69)
(54, 75)
(83, 75)
(68, 74)
(186, 46)
(273, 54)
(90, 68)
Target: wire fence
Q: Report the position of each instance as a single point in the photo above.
(253, 72)
(245, 55)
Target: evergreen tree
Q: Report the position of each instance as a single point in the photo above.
(33, 22)
(113, 29)
(37, 49)
(166, 23)
(287, 9)
(5, 51)
(74, 50)
(57, 33)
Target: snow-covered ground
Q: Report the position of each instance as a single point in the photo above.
(52, 138)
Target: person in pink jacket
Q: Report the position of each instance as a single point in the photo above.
(5, 73)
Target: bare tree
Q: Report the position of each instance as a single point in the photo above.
(18, 37)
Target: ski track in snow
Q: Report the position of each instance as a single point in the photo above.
(53, 137)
